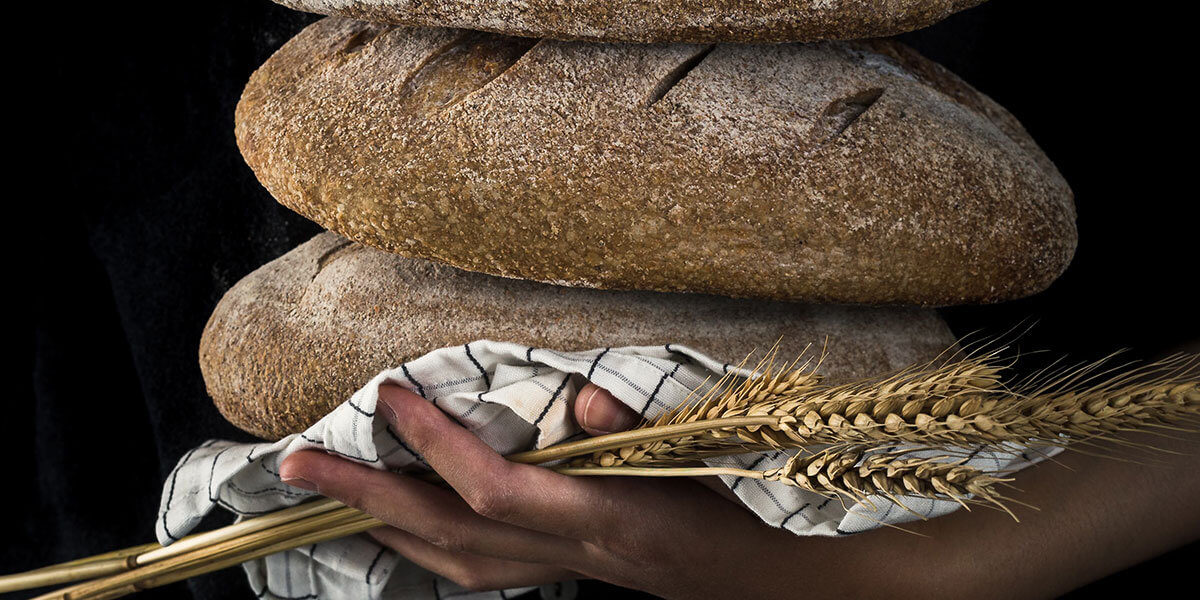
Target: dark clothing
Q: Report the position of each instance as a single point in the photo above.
(151, 215)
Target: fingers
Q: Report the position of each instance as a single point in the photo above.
(474, 572)
(598, 412)
(522, 495)
(423, 509)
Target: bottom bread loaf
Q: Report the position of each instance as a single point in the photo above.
(298, 336)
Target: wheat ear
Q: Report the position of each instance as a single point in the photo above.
(942, 406)
(853, 473)
(957, 404)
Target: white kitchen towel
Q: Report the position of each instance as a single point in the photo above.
(515, 398)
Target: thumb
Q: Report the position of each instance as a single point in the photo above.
(599, 412)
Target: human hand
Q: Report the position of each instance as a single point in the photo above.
(513, 525)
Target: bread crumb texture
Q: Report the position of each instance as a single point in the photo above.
(850, 172)
(300, 335)
(655, 20)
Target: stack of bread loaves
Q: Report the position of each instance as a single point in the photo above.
(482, 182)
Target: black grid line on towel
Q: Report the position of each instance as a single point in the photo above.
(596, 362)
(413, 380)
(441, 385)
(321, 443)
(654, 363)
(486, 380)
(267, 490)
(536, 381)
(757, 461)
(554, 397)
(619, 375)
(654, 395)
(218, 500)
(360, 410)
(567, 357)
(374, 562)
(766, 490)
(267, 590)
(798, 511)
(171, 490)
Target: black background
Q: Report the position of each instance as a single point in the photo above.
(143, 214)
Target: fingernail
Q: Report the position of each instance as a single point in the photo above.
(606, 417)
(301, 483)
(389, 413)
(586, 420)
(625, 419)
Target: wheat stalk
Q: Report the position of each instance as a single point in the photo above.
(323, 526)
(940, 406)
(955, 404)
(139, 556)
(854, 473)
(829, 472)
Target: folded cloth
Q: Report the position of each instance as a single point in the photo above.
(514, 398)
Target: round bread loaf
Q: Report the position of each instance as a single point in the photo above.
(833, 172)
(656, 20)
(298, 336)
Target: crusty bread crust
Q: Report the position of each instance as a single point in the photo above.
(298, 336)
(852, 172)
(655, 20)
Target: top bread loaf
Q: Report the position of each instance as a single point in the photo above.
(656, 20)
(849, 172)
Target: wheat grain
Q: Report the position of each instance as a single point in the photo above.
(840, 432)
(955, 404)
(857, 473)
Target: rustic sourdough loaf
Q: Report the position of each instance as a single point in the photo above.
(854, 172)
(298, 336)
(656, 20)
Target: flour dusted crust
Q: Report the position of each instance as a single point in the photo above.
(298, 336)
(656, 20)
(854, 172)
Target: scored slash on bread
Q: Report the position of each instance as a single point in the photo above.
(849, 172)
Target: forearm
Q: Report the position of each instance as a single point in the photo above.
(1097, 515)
(512, 525)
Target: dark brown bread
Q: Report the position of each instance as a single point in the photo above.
(656, 20)
(830, 172)
(298, 336)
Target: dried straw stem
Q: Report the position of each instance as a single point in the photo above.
(130, 558)
(308, 530)
(64, 573)
(942, 406)
(841, 473)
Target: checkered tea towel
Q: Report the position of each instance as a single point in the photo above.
(515, 398)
